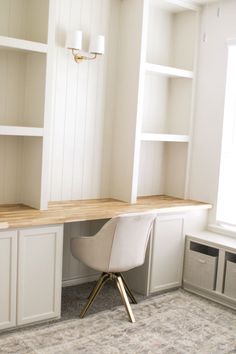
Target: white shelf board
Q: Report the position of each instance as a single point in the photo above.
(21, 44)
(177, 5)
(212, 237)
(20, 131)
(165, 137)
(168, 71)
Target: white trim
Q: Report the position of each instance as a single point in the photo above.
(21, 44)
(168, 71)
(165, 137)
(79, 280)
(20, 131)
(223, 230)
(182, 4)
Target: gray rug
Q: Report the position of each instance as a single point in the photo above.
(176, 322)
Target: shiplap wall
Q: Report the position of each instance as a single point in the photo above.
(81, 130)
(74, 271)
(24, 19)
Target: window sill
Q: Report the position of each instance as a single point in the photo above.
(223, 230)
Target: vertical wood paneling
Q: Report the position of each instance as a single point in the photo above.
(72, 268)
(12, 87)
(31, 171)
(25, 19)
(81, 129)
(80, 111)
(69, 122)
(152, 169)
(33, 114)
(10, 162)
(91, 110)
(62, 61)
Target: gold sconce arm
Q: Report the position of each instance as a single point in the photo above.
(80, 56)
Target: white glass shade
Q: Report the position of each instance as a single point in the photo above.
(74, 40)
(97, 45)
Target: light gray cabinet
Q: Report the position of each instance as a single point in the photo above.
(39, 274)
(8, 266)
(167, 253)
(30, 275)
(163, 265)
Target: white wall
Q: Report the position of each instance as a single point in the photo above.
(210, 100)
(83, 103)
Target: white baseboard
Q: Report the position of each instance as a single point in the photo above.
(79, 280)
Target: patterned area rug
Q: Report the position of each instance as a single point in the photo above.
(176, 322)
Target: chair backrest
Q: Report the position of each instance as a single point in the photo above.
(130, 238)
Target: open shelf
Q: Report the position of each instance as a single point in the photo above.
(167, 106)
(24, 29)
(22, 88)
(172, 28)
(20, 131)
(165, 137)
(168, 71)
(21, 44)
(162, 169)
(20, 175)
(24, 19)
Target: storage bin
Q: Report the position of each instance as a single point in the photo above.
(200, 265)
(230, 279)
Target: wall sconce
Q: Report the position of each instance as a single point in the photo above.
(74, 42)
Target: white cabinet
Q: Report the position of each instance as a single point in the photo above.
(163, 266)
(30, 275)
(39, 274)
(8, 264)
(167, 253)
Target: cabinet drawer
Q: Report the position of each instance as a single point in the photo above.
(230, 279)
(200, 268)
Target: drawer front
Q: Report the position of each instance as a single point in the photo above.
(200, 270)
(230, 280)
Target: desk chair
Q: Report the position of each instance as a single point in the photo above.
(119, 246)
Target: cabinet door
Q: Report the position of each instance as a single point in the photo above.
(39, 274)
(8, 264)
(167, 253)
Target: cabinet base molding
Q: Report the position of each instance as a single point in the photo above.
(211, 295)
(79, 280)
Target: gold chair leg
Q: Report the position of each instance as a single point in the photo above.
(121, 288)
(101, 281)
(102, 274)
(129, 293)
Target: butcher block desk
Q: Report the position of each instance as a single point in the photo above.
(19, 216)
(32, 251)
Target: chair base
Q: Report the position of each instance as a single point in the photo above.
(123, 288)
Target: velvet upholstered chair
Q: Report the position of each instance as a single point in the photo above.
(119, 246)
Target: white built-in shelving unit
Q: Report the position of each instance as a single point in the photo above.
(157, 74)
(24, 100)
